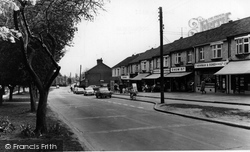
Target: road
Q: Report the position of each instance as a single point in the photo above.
(124, 125)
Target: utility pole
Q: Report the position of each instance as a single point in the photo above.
(80, 75)
(161, 55)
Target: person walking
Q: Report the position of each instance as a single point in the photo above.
(203, 84)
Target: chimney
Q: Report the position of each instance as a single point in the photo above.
(99, 61)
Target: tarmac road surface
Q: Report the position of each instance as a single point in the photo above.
(123, 125)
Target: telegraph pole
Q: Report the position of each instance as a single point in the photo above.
(161, 55)
(80, 75)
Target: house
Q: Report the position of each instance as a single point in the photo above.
(121, 72)
(98, 75)
(219, 56)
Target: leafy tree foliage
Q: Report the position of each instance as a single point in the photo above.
(42, 29)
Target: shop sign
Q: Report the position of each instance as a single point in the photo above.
(199, 24)
(209, 65)
(178, 69)
(159, 71)
(125, 77)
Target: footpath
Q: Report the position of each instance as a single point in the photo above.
(231, 102)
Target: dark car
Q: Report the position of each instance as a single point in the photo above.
(103, 92)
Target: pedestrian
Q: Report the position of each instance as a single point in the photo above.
(203, 84)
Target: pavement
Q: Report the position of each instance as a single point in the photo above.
(239, 101)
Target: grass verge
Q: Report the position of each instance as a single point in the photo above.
(18, 113)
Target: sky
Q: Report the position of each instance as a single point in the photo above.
(129, 27)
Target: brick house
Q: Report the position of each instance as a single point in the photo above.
(98, 75)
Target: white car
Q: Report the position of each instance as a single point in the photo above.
(89, 91)
(78, 90)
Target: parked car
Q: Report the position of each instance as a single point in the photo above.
(78, 90)
(103, 92)
(89, 91)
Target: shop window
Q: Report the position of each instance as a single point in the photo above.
(242, 45)
(201, 54)
(217, 51)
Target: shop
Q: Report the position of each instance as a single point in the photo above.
(206, 72)
(181, 79)
(236, 75)
(139, 80)
(152, 82)
(125, 80)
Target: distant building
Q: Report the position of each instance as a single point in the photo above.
(98, 75)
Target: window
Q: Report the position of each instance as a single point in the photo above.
(242, 45)
(136, 68)
(123, 71)
(177, 58)
(151, 65)
(217, 51)
(118, 72)
(144, 66)
(189, 57)
(201, 54)
(166, 61)
(158, 63)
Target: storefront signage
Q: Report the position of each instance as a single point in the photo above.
(209, 65)
(199, 24)
(125, 77)
(158, 71)
(178, 69)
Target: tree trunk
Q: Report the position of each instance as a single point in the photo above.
(41, 126)
(32, 100)
(11, 88)
(1, 95)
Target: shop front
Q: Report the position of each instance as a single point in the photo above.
(181, 79)
(237, 77)
(152, 82)
(125, 80)
(206, 72)
(139, 80)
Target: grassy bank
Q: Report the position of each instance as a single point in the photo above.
(23, 123)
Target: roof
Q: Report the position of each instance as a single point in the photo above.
(220, 33)
(226, 30)
(146, 55)
(126, 61)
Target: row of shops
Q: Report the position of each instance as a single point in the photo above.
(224, 77)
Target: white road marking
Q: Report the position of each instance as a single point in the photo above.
(128, 129)
(99, 117)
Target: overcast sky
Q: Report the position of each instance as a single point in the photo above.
(131, 26)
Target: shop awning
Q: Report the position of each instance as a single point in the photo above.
(140, 76)
(153, 76)
(179, 74)
(237, 67)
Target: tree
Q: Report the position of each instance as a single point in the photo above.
(42, 30)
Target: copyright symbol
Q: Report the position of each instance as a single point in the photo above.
(7, 146)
